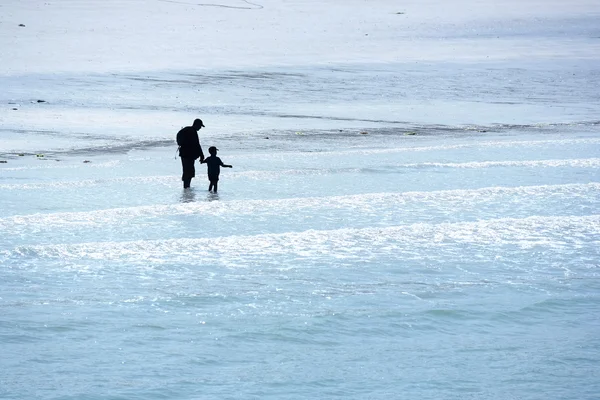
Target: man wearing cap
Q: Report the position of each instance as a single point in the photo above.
(189, 150)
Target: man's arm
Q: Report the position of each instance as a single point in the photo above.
(195, 143)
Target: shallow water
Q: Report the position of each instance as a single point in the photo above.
(396, 229)
(458, 266)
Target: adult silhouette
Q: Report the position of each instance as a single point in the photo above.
(189, 150)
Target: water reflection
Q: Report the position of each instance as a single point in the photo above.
(188, 196)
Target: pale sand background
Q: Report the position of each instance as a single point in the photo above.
(119, 68)
(131, 35)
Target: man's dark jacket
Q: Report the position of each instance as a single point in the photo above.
(189, 144)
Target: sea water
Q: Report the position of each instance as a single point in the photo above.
(388, 230)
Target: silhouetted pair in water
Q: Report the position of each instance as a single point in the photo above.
(190, 150)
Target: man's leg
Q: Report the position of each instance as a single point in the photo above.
(188, 171)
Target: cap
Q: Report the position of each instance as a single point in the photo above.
(211, 148)
(198, 122)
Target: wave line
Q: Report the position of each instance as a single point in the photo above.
(362, 202)
(348, 243)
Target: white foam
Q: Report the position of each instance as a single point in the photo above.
(574, 163)
(398, 241)
(267, 174)
(473, 144)
(454, 199)
(54, 164)
(552, 163)
(161, 179)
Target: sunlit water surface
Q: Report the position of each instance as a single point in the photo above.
(352, 252)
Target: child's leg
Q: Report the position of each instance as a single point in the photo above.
(213, 183)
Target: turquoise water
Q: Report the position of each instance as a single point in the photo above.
(440, 260)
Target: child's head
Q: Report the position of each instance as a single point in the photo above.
(212, 150)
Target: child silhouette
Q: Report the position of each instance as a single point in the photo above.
(214, 164)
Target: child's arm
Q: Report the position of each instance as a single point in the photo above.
(227, 166)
